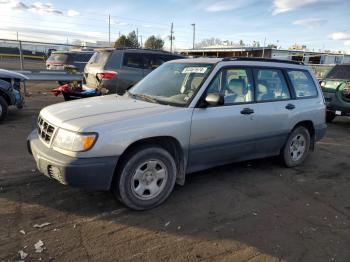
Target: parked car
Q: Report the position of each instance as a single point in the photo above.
(187, 115)
(117, 70)
(10, 91)
(336, 90)
(68, 60)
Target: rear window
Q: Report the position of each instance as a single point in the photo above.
(303, 84)
(99, 58)
(134, 60)
(82, 57)
(58, 58)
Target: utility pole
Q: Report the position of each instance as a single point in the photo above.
(137, 35)
(263, 51)
(194, 33)
(141, 40)
(17, 35)
(171, 37)
(109, 30)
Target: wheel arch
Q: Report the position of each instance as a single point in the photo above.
(309, 125)
(169, 143)
(6, 97)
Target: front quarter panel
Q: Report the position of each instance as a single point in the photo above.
(114, 138)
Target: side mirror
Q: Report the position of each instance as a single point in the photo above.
(214, 99)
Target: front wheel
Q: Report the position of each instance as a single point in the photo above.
(297, 147)
(146, 178)
(3, 108)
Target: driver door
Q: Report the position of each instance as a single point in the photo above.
(224, 134)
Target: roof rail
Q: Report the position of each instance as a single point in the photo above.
(262, 60)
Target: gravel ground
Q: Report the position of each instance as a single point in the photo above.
(251, 211)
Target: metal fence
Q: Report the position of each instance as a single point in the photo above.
(30, 55)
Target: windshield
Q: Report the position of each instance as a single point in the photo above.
(331, 85)
(173, 83)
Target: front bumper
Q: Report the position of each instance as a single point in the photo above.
(90, 173)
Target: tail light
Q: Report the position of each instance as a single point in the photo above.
(106, 75)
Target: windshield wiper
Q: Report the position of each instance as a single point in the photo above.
(143, 97)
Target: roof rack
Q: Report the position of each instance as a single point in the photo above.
(133, 48)
(262, 60)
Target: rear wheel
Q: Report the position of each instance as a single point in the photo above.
(3, 108)
(330, 116)
(146, 178)
(297, 147)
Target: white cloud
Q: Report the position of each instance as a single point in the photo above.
(72, 13)
(38, 7)
(340, 36)
(282, 6)
(222, 6)
(310, 23)
(116, 22)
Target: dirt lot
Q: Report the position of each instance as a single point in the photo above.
(252, 211)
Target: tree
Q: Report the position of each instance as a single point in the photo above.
(132, 40)
(154, 42)
(122, 41)
(209, 42)
(127, 41)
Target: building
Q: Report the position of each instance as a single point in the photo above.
(308, 57)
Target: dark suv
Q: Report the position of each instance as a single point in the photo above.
(117, 70)
(68, 60)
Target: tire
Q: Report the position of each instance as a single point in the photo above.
(146, 178)
(297, 147)
(3, 108)
(330, 116)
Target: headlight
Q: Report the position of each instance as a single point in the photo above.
(73, 141)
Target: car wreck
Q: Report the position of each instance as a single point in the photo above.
(336, 90)
(10, 91)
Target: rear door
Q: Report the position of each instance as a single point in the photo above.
(276, 110)
(226, 133)
(132, 70)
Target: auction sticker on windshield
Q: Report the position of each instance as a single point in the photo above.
(198, 70)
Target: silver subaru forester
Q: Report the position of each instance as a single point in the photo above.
(187, 115)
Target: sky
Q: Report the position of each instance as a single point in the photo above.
(318, 24)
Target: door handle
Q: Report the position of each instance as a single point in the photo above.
(247, 111)
(290, 106)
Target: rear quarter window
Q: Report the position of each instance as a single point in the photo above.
(303, 83)
(99, 58)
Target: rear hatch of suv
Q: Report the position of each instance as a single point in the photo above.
(95, 66)
(56, 61)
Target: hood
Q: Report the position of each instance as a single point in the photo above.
(83, 113)
(11, 74)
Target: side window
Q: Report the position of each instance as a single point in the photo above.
(234, 84)
(133, 60)
(270, 85)
(303, 83)
(152, 61)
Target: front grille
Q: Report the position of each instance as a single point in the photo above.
(45, 130)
